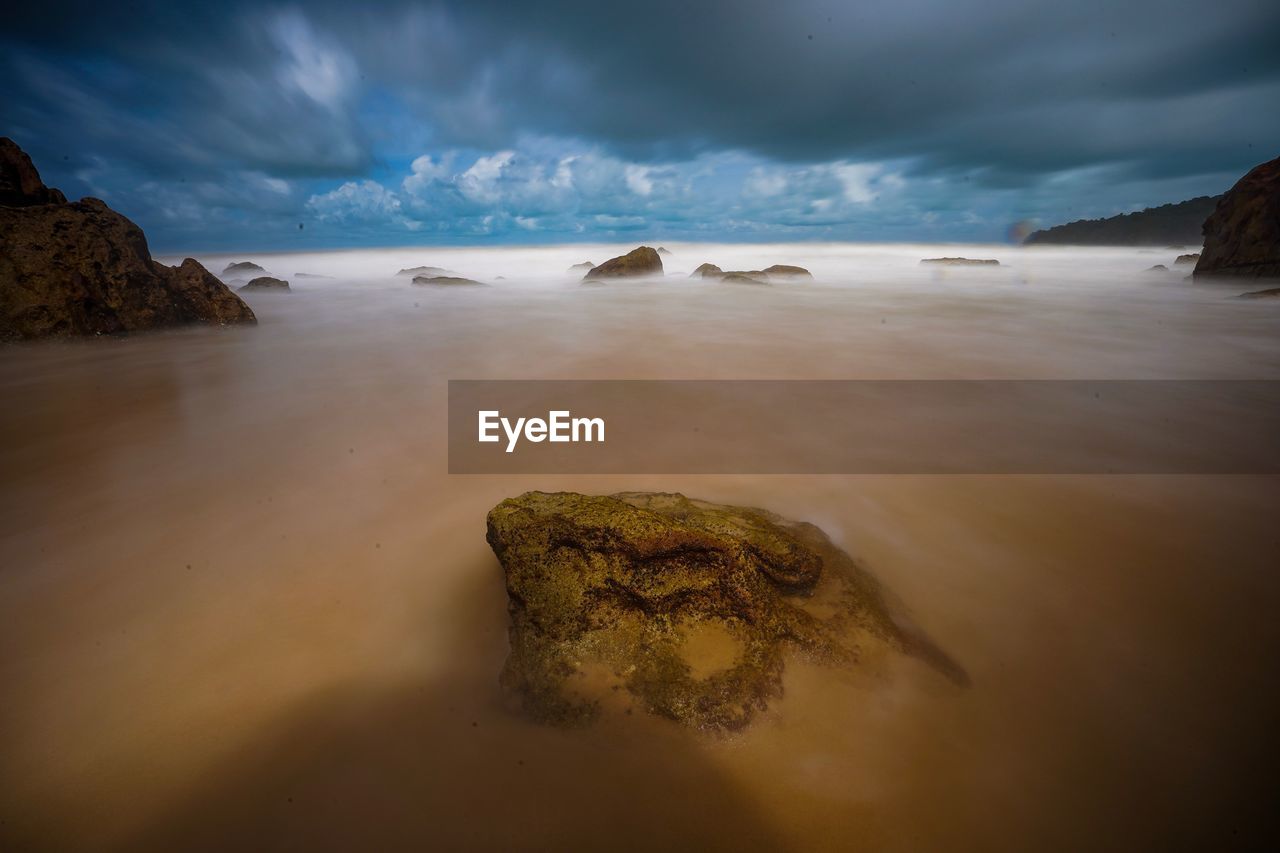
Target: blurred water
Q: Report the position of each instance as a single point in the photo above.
(242, 604)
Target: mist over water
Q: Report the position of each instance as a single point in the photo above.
(244, 606)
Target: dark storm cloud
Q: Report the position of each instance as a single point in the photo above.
(1002, 93)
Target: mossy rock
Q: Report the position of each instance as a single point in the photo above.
(610, 595)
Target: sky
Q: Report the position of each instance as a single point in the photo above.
(228, 125)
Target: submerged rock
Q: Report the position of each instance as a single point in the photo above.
(961, 262)
(80, 268)
(266, 282)
(1242, 235)
(707, 271)
(615, 597)
(582, 268)
(755, 277)
(662, 250)
(1187, 259)
(242, 268)
(445, 280)
(787, 271)
(1269, 293)
(637, 262)
(1157, 268)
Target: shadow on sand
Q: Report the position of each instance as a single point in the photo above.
(444, 765)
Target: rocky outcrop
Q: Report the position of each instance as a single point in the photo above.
(445, 280)
(1187, 259)
(20, 184)
(430, 272)
(80, 268)
(638, 262)
(677, 607)
(707, 271)
(1242, 235)
(242, 268)
(266, 282)
(787, 271)
(961, 262)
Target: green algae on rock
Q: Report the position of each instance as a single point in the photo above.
(614, 595)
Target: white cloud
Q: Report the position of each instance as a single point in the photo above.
(310, 64)
(638, 179)
(365, 201)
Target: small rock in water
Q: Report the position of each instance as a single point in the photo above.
(787, 271)
(1158, 268)
(1269, 293)
(961, 262)
(638, 262)
(707, 271)
(1187, 259)
(754, 277)
(427, 271)
(582, 268)
(689, 609)
(242, 268)
(266, 282)
(445, 280)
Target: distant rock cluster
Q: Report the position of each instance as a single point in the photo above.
(764, 276)
(79, 268)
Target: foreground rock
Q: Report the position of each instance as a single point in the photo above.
(637, 262)
(446, 280)
(266, 282)
(1242, 235)
(677, 607)
(242, 268)
(1187, 259)
(80, 268)
(1269, 293)
(961, 262)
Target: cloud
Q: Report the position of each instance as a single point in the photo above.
(364, 201)
(749, 117)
